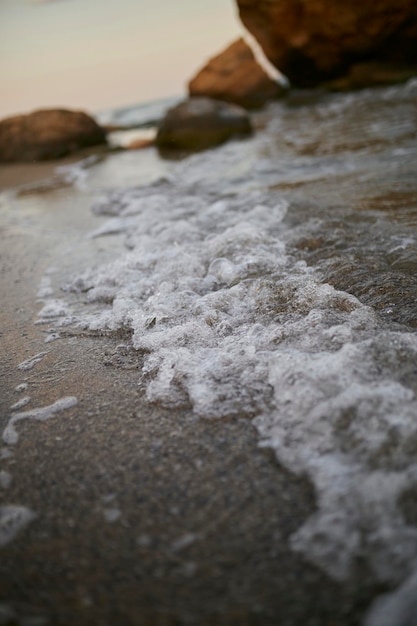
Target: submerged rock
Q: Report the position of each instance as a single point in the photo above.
(201, 123)
(235, 76)
(315, 40)
(47, 134)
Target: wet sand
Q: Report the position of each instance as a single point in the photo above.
(21, 174)
(144, 516)
(17, 174)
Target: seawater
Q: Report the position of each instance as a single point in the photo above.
(276, 278)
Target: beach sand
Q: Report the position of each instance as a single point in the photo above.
(143, 515)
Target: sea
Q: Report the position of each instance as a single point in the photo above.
(274, 277)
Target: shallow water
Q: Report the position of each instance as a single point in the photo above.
(276, 278)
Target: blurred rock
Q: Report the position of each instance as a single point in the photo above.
(47, 134)
(235, 76)
(200, 123)
(315, 40)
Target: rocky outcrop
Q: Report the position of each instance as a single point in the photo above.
(201, 123)
(235, 76)
(47, 134)
(311, 41)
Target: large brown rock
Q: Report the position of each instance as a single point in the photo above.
(235, 76)
(201, 123)
(47, 134)
(315, 40)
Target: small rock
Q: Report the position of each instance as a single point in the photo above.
(47, 134)
(235, 76)
(201, 123)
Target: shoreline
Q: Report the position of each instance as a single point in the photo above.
(14, 176)
(17, 175)
(140, 505)
(136, 505)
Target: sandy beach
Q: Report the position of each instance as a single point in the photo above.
(208, 288)
(135, 514)
(143, 515)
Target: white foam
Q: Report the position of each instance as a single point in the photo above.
(396, 609)
(230, 324)
(5, 453)
(184, 542)
(77, 173)
(112, 515)
(30, 363)
(13, 519)
(116, 226)
(21, 387)
(45, 288)
(5, 479)
(10, 435)
(20, 403)
(52, 309)
(51, 336)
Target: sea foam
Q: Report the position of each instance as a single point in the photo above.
(230, 323)
(41, 414)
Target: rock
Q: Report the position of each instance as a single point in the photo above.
(235, 76)
(200, 123)
(47, 134)
(315, 40)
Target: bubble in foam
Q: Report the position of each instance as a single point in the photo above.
(13, 519)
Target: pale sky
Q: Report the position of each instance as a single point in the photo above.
(98, 54)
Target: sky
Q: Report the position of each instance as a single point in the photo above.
(99, 54)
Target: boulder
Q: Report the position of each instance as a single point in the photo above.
(47, 134)
(311, 41)
(235, 76)
(201, 123)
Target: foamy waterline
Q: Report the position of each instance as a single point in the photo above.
(229, 323)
